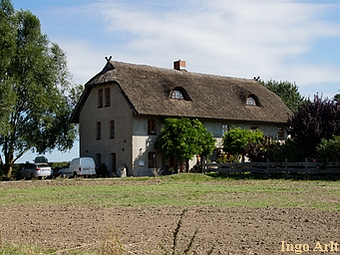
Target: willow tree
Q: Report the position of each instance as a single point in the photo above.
(184, 138)
(36, 89)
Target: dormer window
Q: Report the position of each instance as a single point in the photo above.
(252, 101)
(176, 94)
(179, 93)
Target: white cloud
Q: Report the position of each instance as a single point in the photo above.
(235, 38)
(85, 59)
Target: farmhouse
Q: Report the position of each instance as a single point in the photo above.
(121, 109)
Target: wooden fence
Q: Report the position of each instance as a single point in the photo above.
(286, 168)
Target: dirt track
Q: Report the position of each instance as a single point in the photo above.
(150, 231)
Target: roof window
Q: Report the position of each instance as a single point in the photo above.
(179, 93)
(252, 101)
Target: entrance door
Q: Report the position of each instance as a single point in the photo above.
(113, 164)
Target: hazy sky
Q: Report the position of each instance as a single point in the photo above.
(296, 41)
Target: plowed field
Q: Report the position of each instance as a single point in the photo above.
(219, 230)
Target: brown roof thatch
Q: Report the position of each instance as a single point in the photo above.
(147, 89)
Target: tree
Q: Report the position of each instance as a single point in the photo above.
(313, 121)
(287, 91)
(7, 42)
(337, 103)
(183, 138)
(36, 90)
(236, 140)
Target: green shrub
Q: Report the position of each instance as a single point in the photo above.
(329, 149)
(290, 150)
(102, 171)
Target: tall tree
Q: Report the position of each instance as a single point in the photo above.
(7, 45)
(287, 91)
(35, 89)
(337, 102)
(313, 121)
(183, 138)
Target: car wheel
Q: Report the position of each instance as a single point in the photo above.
(74, 175)
(32, 177)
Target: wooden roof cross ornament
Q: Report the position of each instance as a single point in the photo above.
(108, 59)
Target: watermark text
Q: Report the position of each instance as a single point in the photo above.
(299, 248)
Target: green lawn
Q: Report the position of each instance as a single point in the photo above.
(176, 190)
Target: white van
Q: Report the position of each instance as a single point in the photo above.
(79, 167)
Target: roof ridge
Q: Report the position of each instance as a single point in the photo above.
(156, 68)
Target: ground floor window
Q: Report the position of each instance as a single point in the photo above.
(151, 127)
(280, 133)
(113, 163)
(225, 129)
(152, 159)
(99, 159)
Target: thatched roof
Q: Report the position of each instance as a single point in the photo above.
(147, 90)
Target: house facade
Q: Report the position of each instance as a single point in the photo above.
(121, 110)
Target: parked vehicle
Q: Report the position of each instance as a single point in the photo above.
(64, 173)
(36, 170)
(84, 166)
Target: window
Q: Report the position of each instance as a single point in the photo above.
(107, 97)
(251, 101)
(100, 98)
(152, 159)
(176, 94)
(179, 93)
(225, 129)
(113, 163)
(151, 127)
(112, 129)
(280, 133)
(99, 130)
(99, 159)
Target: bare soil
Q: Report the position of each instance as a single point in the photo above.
(237, 230)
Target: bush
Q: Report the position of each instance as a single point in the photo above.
(329, 149)
(102, 171)
(262, 150)
(290, 150)
(257, 150)
(236, 140)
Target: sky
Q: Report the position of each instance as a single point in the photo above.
(282, 40)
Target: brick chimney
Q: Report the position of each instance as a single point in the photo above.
(180, 65)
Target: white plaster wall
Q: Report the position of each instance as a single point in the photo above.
(142, 144)
(118, 111)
